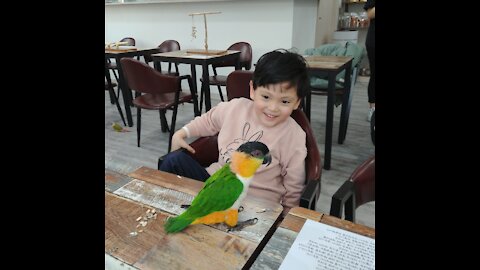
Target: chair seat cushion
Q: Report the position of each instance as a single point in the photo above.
(163, 101)
(217, 80)
(322, 83)
(107, 87)
(350, 49)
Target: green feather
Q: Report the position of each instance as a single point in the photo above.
(219, 193)
(176, 224)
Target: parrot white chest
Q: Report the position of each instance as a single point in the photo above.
(246, 183)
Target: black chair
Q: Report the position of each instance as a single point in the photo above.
(166, 46)
(206, 148)
(157, 92)
(245, 62)
(354, 192)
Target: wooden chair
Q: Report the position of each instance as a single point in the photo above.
(166, 46)
(207, 148)
(357, 190)
(158, 92)
(245, 62)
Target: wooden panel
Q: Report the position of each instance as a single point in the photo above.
(120, 221)
(112, 50)
(170, 200)
(276, 249)
(209, 52)
(114, 180)
(349, 226)
(197, 247)
(167, 180)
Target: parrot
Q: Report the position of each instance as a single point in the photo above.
(118, 128)
(220, 197)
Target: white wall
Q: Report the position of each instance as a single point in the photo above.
(304, 24)
(265, 24)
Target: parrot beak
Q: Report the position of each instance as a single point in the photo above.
(267, 159)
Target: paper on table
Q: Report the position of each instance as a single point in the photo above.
(320, 246)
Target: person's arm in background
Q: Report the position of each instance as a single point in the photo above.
(371, 13)
(370, 8)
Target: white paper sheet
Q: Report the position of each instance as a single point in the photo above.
(319, 246)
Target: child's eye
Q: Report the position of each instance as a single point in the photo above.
(285, 102)
(265, 97)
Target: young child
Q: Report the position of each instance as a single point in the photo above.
(278, 86)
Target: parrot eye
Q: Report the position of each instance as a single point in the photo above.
(256, 153)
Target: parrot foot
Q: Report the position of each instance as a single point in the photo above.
(242, 224)
(240, 209)
(185, 206)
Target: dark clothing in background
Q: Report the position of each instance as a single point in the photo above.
(370, 46)
(180, 163)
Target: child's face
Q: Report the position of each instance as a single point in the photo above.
(274, 104)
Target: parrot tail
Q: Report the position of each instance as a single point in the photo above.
(176, 224)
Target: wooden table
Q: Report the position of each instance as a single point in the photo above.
(198, 59)
(126, 92)
(331, 66)
(197, 247)
(277, 247)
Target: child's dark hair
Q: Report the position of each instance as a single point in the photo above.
(282, 66)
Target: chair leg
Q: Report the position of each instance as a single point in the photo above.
(193, 92)
(113, 97)
(308, 102)
(220, 92)
(201, 99)
(350, 208)
(112, 93)
(172, 127)
(163, 120)
(344, 115)
(139, 124)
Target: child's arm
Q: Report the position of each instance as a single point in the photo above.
(294, 177)
(178, 141)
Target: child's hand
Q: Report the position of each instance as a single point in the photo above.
(178, 141)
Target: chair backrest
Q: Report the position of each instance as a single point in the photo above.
(130, 40)
(245, 56)
(357, 190)
(364, 181)
(238, 84)
(166, 46)
(143, 78)
(169, 46)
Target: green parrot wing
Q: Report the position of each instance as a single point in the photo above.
(219, 193)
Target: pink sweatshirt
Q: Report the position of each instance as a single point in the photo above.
(236, 122)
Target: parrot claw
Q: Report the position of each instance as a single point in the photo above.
(185, 206)
(240, 209)
(242, 224)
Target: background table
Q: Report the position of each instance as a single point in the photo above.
(331, 66)
(198, 59)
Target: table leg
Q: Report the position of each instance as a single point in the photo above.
(206, 87)
(193, 70)
(346, 103)
(329, 125)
